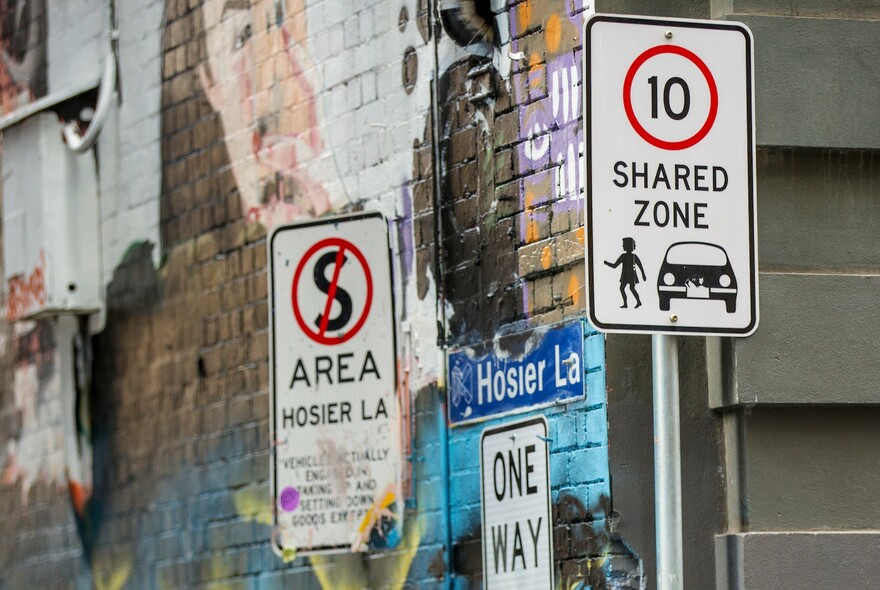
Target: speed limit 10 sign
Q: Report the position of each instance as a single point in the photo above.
(669, 119)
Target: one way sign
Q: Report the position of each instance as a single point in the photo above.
(517, 520)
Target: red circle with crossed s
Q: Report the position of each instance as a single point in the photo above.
(320, 335)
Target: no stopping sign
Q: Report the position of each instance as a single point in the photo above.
(337, 457)
(333, 267)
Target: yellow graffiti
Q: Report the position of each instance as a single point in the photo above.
(112, 576)
(288, 554)
(375, 511)
(221, 569)
(574, 288)
(546, 257)
(536, 71)
(532, 232)
(524, 15)
(253, 505)
(348, 572)
(600, 561)
(553, 33)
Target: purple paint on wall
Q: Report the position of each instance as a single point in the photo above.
(552, 137)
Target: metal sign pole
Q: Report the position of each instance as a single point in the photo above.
(667, 463)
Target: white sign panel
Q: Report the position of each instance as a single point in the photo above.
(337, 460)
(517, 522)
(670, 176)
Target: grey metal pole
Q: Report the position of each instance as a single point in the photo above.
(667, 464)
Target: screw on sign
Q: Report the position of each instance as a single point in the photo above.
(334, 323)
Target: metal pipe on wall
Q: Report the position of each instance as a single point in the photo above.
(80, 143)
(440, 308)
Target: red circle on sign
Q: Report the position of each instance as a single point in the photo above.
(320, 335)
(631, 115)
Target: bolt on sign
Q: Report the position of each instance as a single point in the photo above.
(671, 239)
(517, 522)
(337, 452)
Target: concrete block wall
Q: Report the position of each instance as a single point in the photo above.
(818, 143)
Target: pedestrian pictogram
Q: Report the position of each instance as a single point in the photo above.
(629, 262)
(669, 121)
(338, 316)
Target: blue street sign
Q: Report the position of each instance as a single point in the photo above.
(516, 373)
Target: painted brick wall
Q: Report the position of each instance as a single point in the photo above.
(39, 544)
(179, 495)
(579, 482)
(511, 207)
(141, 460)
(130, 146)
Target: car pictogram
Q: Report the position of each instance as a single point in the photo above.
(696, 270)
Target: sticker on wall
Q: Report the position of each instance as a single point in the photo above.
(517, 522)
(516, 373)
(335, 415)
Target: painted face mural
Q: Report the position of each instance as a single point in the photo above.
(22, 53)
(259, 78)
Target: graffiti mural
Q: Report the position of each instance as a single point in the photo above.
(549, 90)
(259, 78)
(26, 293)
(267, 108)
(23, 51)
(32, 452)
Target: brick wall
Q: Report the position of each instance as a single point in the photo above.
(511, 206)
(179, 393)
(579, 482)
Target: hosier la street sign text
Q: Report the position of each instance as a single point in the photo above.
(516, 373)
(670, 176)
(335, 422)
